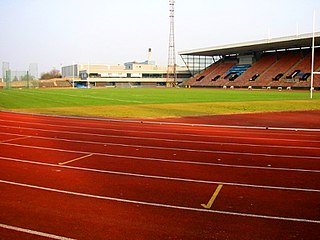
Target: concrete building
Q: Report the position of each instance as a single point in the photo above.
(130, 74)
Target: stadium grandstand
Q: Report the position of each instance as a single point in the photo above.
(273, 63)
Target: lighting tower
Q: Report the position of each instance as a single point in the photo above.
(171, 71)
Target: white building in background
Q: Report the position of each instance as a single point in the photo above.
(130, 74)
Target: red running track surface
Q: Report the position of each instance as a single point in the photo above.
(76, 178)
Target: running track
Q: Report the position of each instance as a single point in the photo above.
(74, 178)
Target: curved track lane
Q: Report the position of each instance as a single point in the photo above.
(82, 179)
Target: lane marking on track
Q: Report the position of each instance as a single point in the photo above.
(239, 214)
(161, 148)
(161, 123)
(179, 149)
(14, 139)
(160, 159)
(166, 178)
(76, 159)
(213, 198)
(151, 132)
(32, 232)
(169, 160)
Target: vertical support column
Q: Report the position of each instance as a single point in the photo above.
(312, 58)
(171, 70)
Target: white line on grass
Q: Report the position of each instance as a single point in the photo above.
(161, 205)
(94, 97)
(161, 177)
(42, 97)
(32, 232)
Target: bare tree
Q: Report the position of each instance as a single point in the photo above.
(54, 73)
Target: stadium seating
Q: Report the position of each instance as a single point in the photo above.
(195, 81)
(282, 66)
(205, 78)
(257, 69)
(218, 77)
(284, 69)
(54, 83)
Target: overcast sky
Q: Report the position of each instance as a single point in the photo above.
(59, 32)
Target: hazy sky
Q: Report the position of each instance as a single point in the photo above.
(59, 32)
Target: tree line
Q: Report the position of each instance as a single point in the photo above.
(54, 73)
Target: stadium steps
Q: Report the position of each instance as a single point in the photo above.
(193, 81)
(262, 65)
(222, 71)
(269, 66)
(286, 62)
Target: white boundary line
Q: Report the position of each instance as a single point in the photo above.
(162, 205)
(162, 123)
(176, 149)
(148, 138)
(222, 134)
(162, 177)
(163, 133)
(164, 160)
(32, 232)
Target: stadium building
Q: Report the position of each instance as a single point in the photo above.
(272, 63)
(131, 74)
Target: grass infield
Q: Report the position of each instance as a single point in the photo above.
(153, 102)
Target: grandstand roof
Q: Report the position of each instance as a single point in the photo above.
(297, 41)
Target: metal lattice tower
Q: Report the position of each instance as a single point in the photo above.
(171, 71)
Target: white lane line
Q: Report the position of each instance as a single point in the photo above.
(166, 160)
(160, 133)
(161, 123)
(159, 159)
(178, 149)
(161, 205)
(153, 139)
(163, 177)
(32, 232)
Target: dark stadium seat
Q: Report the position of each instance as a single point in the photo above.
(216, 78)
(200, 78)
(305, 77)
(293, 74)
(254, 77)
(277, 78)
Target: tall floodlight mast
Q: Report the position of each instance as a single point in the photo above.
(171, 71)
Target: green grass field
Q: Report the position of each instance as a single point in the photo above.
(153, 102)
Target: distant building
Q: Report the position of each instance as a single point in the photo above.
(130, 74)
